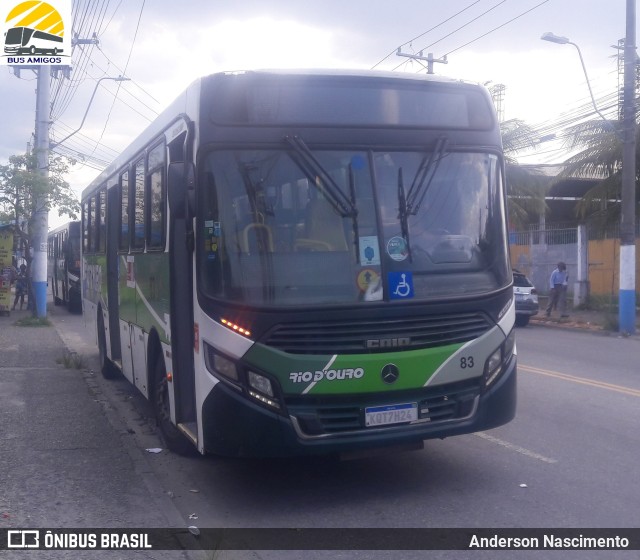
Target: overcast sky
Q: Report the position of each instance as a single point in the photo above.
(164, 45)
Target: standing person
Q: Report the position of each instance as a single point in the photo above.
(21, 286)
(556, 283)
(562, 301)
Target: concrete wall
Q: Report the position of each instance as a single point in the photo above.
(537, 261)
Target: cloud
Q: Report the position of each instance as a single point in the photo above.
(165, 45)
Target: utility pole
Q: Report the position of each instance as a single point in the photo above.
(41, 214)
(627, 292)
(40, 227)
(429, 58)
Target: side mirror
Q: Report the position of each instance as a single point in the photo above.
(181, 189)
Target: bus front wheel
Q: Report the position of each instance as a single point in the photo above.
(176, 441)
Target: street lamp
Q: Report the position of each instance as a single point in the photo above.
(626, 294)
(118, 79)
(553, 38)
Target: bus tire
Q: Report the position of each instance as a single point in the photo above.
(175, 440)
(107, 369)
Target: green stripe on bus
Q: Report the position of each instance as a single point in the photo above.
(350, 373)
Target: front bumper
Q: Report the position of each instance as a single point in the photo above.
(236, 426)
(527, 307)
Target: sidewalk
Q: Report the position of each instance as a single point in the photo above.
(66, 460)
(583, 319)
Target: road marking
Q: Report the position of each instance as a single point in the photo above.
(522, 450)
(583, 381)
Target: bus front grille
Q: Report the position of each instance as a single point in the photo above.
(327, 416)
(357, 337)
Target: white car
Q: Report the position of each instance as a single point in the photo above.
(526, 298)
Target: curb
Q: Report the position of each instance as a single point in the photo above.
(593, 328)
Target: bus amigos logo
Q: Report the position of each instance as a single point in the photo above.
(34, 33)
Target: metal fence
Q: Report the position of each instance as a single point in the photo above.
(536, 235)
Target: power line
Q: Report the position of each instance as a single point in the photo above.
(423, 34)
(101, 32)
(462, 26)
(135, 35)
(89, 18)
(484, 34)
(80, 139)
(498, 27)
(85, 160)
(133, 82)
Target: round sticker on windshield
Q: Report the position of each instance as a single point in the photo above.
(397, 248)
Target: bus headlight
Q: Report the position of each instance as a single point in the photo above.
(216, 363)
(257, 386)
(509, 345)
(493, 366)
(498, 360)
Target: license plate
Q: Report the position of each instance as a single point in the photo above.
(390, 414)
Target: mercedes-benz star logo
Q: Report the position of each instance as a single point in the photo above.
(390, 373)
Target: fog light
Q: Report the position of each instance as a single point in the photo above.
(260, 383)
(262, 389)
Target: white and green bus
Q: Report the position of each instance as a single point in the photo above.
(294, 263)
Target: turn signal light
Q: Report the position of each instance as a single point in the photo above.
(235, 327)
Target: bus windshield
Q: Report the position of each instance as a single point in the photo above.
(278, 231)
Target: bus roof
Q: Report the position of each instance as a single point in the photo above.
(347, 72)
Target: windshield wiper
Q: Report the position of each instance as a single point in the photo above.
(424, 175)
(403, 214)
(409, 203)
(352, 192)
(313, 169)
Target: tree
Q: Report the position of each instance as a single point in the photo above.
(526, 189)
(600, 155)
(21, 185)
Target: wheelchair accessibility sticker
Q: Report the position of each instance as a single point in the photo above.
(400, 285)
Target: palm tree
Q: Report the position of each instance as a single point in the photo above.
(600, 156)
(526, 188)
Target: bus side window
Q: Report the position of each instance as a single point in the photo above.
(85, 227)
(156, 197)
(101, 214)
(91, 248)
(124, 212)
(138, 233)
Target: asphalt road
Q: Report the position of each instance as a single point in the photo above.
(568, 460)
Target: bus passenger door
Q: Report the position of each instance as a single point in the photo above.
(181, 281)
(113, 225)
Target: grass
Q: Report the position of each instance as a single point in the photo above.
(33, 322)
(604, 303)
